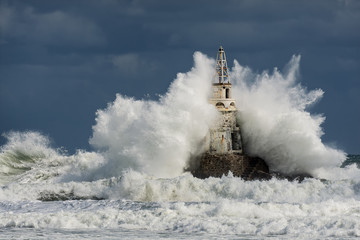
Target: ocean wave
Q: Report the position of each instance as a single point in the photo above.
(135, 186)
(160, 138)
(184, 204)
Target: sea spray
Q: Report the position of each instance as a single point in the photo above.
(275, 123)
(22, 151)
(27, 157)
(158, 137)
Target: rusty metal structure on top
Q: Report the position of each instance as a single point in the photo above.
(221, 66)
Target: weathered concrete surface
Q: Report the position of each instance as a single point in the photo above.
(216, 165)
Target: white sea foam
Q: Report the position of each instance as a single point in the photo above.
(275, 122)
(329, 219)
(158, 137)
(27, 157)
(185, 204)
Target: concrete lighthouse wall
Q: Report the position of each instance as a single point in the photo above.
(225, 136)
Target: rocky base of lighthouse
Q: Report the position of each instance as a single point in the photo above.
(216, 165)
(246, 167)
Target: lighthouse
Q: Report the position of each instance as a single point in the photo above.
(224, 151)
(224, 137)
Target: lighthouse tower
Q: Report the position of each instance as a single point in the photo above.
(224, 150)
(225, 137)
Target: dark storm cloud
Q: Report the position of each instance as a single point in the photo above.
(60, 61)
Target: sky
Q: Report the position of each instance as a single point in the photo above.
(60, 61)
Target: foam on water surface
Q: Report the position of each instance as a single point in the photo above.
(227, 206)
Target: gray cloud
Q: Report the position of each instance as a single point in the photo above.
(50, 28)
(133, 64)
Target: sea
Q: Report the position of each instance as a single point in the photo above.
(136, 206)
(131, 184)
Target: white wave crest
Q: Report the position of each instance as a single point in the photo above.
(28, 157)
(158, 137)
(275, 122)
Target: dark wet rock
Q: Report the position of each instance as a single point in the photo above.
(246, 167)
(216, 165)
(47, 196)
(296, 177)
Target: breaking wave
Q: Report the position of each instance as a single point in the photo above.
(159, 138)
(28, 157)
(276, 125)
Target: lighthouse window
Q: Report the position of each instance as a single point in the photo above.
(227, 94)
(220, 105)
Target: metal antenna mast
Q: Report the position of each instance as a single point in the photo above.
(221, 66)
